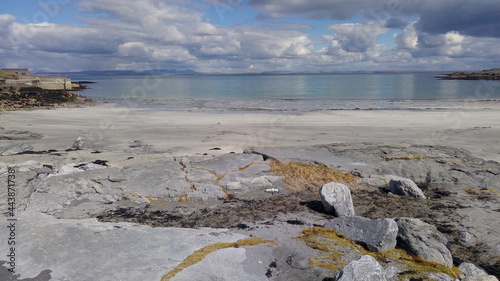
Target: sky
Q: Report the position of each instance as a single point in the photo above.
(234, 36)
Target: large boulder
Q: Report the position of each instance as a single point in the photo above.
(366, 268)
(377, 235)
(405, 187)
(424, 240)
(337, 199)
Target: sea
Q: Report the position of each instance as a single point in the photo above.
(290, 91)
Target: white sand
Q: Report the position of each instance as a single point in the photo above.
(113, 129)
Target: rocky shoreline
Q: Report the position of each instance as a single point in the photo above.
(123, 193)
(491, 74)
(32, 97)
(441, 225)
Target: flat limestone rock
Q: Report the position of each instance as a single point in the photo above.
(227, 162)
(82, 250)
(424, 240)
(19, 135)
(426, 164)
(223, 265)
(15, 149)
(337, 199)
(377, 235)
(366, 268)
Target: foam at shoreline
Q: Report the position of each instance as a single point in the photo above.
(298, 106)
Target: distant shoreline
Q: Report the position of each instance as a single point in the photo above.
(490, 74)
(12, 99)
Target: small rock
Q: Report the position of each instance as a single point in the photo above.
(377, 235)
(405, 187)
(424, 240)
(466, 239)
(337, 199)
(66, 170)
(366, 268)
(80, 143)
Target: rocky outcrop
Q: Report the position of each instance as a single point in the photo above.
(15, 149)
(173, 192)
(405, 187)
(365, 268)
(183, 180)
(12, 98)
(337, 199)
(50, 244)
(18, 135)
(423, 164)
(423, 240)
(490, 74)
(377, 235)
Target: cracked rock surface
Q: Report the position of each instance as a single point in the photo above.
(121, 219)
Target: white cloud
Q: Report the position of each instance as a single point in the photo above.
(467, 17)
(158, 33)
(356, 37)
(408, 39)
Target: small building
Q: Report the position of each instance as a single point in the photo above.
(18, 72)
(21, 77)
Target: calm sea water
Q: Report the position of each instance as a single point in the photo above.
(389, 86)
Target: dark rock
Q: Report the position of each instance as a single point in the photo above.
(405, 187)
(424, 240)
(377, 235)
(491, 74)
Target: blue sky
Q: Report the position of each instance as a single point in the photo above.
(250, 35)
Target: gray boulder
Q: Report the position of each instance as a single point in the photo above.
(424, 240)
(405, 187)
(377, 235)
(473, 272)
(337, 199)
(366, 268)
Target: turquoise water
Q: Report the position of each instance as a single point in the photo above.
(387, 86)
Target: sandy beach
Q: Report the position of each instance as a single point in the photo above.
(204, 174)
(113, 129)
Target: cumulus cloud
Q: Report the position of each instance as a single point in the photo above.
(467, 17)
(408, 39)
(357, 37)
(176, 34)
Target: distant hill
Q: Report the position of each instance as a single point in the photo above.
(120, 72)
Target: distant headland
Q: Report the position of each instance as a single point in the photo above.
(490, 74)
(21, 89)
